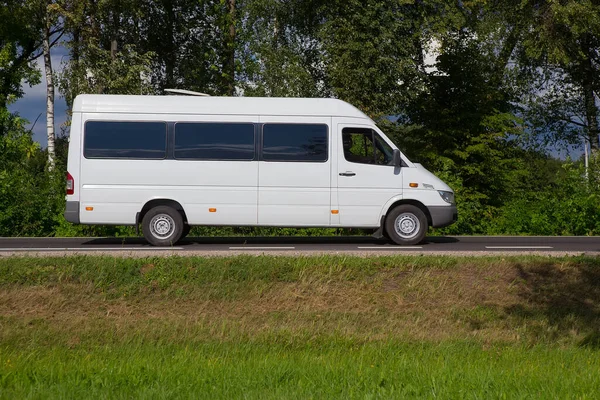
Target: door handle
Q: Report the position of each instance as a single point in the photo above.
(347, 174)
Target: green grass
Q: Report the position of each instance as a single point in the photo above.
(333, 369)
(309, 327)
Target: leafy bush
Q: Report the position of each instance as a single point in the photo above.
(30, 196)
(570, 207)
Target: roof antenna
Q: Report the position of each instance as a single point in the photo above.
(186, 92)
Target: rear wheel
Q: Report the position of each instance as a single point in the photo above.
(406, 225)
(186, 230)
(162, 226)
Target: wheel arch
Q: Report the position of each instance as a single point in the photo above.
(398, 202)
(160, 202)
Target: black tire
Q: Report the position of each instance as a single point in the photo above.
(186, 230)
(406, 225)
(162, 226)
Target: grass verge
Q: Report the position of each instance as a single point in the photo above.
(303, 327)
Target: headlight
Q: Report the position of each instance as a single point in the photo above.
(448, 197)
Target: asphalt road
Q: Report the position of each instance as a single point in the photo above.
(366, 245)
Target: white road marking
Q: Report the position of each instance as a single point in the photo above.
(87, 248)
(519, 247)
(261, 248)
(389, 247)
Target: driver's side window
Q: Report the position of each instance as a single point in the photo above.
(364, 146)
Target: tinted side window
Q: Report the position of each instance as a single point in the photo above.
(117, 139)
(295, 142)
(364, 146)
(214, 141)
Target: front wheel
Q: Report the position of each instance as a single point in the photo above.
(162, 226)
(406, 225)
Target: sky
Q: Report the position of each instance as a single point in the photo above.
(33, 102)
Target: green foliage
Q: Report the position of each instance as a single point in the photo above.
(19, 46)
(463, 129)
(329, 368)
(188, 39)
(511, 78)
(369, 47)
(278, 51)
(571, 206)
(558, 52)
(101, 73)
(32, 199)
(30, 196)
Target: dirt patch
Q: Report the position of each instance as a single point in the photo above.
(147, 268)
(505, 301)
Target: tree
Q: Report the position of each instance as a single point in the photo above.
(372, 49)
(567, 36)
(20, 47)
(229, 45)
(558, 60)
(104, 57)
(555, 112)
(463, 124)
(29, 30)
(52, 31)
(279, 49)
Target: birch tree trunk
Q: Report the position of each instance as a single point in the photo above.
(589, 75)
(229, 66)
(591, 113)
(49, 96)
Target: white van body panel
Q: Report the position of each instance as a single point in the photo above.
(295, 193)
(361, 196)
(243, 193)
(74, 159)
(425, 178)
(118, 189)
(214, 106)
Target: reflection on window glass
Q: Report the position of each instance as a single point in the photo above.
(295, 142)
(364, 146)
(119, 139)
(384, 154)
(214, 141)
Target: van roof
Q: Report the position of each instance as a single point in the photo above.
(102, 103)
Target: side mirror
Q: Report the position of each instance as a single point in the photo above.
(396, 158)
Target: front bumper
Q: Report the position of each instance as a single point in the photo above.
(442, 216)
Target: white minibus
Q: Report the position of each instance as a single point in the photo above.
(172, 162)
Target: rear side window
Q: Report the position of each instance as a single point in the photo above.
(121, 139)
(214, 141)
(295, 142)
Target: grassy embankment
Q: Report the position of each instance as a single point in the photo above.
(315, 327)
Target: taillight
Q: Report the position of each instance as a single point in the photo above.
(70, 184)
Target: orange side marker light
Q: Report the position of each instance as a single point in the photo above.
(89, 209)
(212, 210)
(335, 211)
(412, 184)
